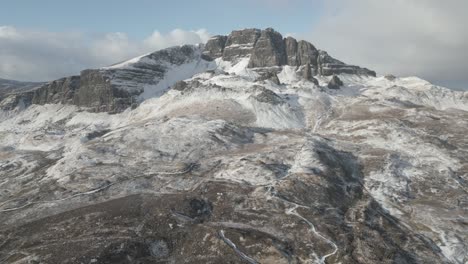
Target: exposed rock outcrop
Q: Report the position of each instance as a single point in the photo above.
(308, 75)
(327, 65)
(61, 91)
(335, 83)
(306, 53)
(97, 93)
(149, 70)
(12, 86)
(268, 74)
(269, 50)
(15, 94)
(16, 100)
(180, 86)
(240, 43)
(290, 44)
(269, 97)
(214, 48)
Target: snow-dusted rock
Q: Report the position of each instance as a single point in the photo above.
(231, 167)
(61, 91)
(269, 50)
(240, 43)
(214, 48)
(335, 83)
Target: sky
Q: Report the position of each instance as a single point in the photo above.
(48, 39)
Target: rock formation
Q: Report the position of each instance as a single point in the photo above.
(268, 96)
(240, 43)
(61, 91)
(12, 86)
(269, 50)
(306, 53)
(308, 75)
(120, 86)
(291, 46)
(335, 83)
(16, 94)
(390, 77)
(268, 74)
(214, 47)
(180, 86)
(16, 100)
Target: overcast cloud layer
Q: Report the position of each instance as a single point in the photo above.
(426, 38)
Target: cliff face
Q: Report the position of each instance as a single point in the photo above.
(239, 43)
(268, 48)
(16, 100)
(95, 92)
(16, 94)
(61, 91)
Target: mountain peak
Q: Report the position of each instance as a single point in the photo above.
(268, 48)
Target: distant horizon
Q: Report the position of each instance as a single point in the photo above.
(47, 40)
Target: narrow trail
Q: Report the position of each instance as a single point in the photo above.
(292, 211)
(236, 249)
(58, 200)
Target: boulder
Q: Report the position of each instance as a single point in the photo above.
(269, 50)
(390, 77)
(180, 86)
(269, 97)
(214, 47)
(240, 43)
(274, 78)
(270, 75)
(308, 75)
(335, 83)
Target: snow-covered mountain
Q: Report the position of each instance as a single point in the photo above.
(251, 148)
(9, 86)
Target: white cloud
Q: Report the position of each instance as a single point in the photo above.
(40, 55)
(8, 32)
(176, 37)
(427, 38)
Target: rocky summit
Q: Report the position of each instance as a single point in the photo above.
(251, 148)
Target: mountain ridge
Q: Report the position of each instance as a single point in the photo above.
(218, 161)
(112, 89)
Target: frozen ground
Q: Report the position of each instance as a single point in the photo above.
(375, 172)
